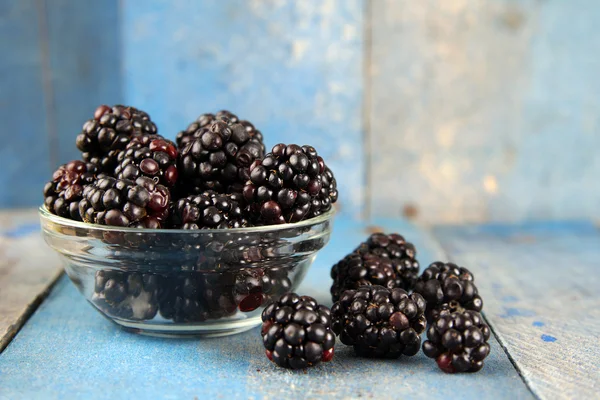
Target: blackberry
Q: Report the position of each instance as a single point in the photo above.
(356, 270)
(290, 184)
(194, 130)
(64, 192)
(129, 295)
(458, 341)
(196, 297)
(380, 322)
(110, 131)
(209, 210)
(255, 286)
(296, 332)
(446, 285)
(218, 156)
(121, 202)
(149, 155)
(401, 253)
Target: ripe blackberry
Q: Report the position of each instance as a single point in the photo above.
(290, 184)
(401, 253)
(380, 322)
(149, 155)
(129, 295)
(64, 192)
(109, 132)
(121, 202)
(448, 285)
(458, 341)
(255, 286)
(218, 156)
(296, 332)
(196, 297)
(194, 130)
(356, 270)
(209, 210)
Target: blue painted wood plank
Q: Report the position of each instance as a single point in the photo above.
(539, 282)
(68, 350)
(27, 268)
(292, 68)
(24, 151)
(474, 103)
(85, 66)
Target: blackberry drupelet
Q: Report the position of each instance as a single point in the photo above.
(290, 184)
(111, 129)
(121, 202)
(196, 297)
(401, 253)
(255, 286)
(296, 332)
(130, 295)
(209, 210)
(149, 155)
(446, 285)
(356, 270)
(380, 322)
(218, 156)
(458, 341)
(64, 192)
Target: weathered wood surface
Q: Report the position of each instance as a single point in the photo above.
(484, 110)
(67, 350)
(27, 268)
(540, 287)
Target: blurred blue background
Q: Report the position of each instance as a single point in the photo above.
(442, 111)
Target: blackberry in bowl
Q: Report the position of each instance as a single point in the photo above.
(178, 282)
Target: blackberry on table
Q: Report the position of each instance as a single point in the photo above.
(290, 184)
(109, 132)
(64, 192)
(296, 332)
(380, 322)
(401, 253)
(218, 156)
(209, 210)
(450, 286)
(356, 270)
(458, 341)
(121, 202)
(150, 155)
(129, 295)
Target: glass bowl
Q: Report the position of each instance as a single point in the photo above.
(175, 282)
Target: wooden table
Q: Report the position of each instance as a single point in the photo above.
(539, 282)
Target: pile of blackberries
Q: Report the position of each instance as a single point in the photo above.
(216, 175)
(381, 308)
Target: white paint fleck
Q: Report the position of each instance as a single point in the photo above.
(350, 32)
(299, 48)
(490, 184)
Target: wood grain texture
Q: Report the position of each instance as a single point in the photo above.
(293, 68)
(68, 350)
(84, 46)
(539, 282)
(27, 269)
(24, 136)
(484, 110)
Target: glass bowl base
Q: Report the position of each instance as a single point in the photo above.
(202, 330)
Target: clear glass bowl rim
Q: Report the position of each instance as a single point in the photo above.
(47, 215)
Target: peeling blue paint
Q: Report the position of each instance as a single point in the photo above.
(510, 299)
(517, 312)
(548, 338)
(538, 323)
